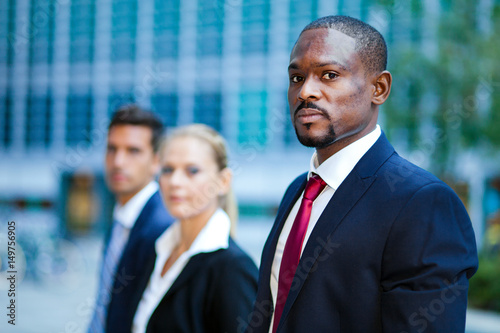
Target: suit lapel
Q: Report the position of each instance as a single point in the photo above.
(286, 206)
(129, 253)
(143, 217)
(339, 206)
(143, 279)
(345, 198)
(189, 270)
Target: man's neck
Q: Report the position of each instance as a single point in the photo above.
(325, 153)
(124, 198)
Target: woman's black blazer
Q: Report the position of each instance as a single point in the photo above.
(214, 293)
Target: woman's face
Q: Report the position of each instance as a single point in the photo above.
(190, 179)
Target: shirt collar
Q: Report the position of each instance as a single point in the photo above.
(213, 236)
(128, 213)
(338, 166)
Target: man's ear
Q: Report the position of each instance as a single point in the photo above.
(383, 82)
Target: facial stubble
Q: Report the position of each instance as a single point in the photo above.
(317, 142)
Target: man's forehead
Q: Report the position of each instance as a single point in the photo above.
(127, 133)
(326, 38)
(342, 42)
(130, 128)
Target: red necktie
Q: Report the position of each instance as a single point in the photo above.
(293, 245)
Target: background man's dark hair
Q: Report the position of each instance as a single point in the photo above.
(134, 115)
(370, 44)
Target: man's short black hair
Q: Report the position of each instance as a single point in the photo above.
(132, 114)
(370, 44)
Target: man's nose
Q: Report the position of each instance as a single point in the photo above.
(119, 158)
(309, 90)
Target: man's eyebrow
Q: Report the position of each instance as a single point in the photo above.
(321, 64)
(331, 63)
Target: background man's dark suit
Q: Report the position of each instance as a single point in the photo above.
(128, 285)
(391, 252)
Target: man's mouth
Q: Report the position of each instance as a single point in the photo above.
(307, 115)
(118, 177)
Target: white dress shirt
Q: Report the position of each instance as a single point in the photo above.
(333, 171)
(214, 236)
(128, 213)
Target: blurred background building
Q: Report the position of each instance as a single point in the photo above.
(66, 65)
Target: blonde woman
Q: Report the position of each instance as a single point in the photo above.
(201, 280)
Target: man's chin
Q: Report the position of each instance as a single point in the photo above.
(312, 141)
(307, 141)
(119, 189)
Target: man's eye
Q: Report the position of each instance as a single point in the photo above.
(134, 150)
(330, 76)
(166, 170)
(295, 78)
(193, 170)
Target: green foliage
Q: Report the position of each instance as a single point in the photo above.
(455, 87)
(484, 288)
(386, 3)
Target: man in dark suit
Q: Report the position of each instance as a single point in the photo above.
(139, 216)
(372, 243)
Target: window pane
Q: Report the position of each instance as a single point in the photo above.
(38, 121)
(255, 26)
(252, 120)
(78, 119)
(124, 22)
(6, 123)
(42, 16)
(207, 109)
(210, 25)
(166, 26)
(82, 30)
(165, 105)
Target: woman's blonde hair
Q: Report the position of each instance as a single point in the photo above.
(219, 148)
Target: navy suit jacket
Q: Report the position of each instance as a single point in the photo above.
(392, 252)
(214, 293)
(129, 285)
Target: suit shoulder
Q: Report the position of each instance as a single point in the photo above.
(402, 171)
(409, 184)
(232, 253)
(155, 213)
(233, 258)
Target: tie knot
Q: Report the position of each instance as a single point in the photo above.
(314, 187)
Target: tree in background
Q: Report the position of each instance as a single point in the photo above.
(447, 97)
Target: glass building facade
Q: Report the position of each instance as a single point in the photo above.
(66, 65)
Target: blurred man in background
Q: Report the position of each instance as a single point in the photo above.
(139, 217)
